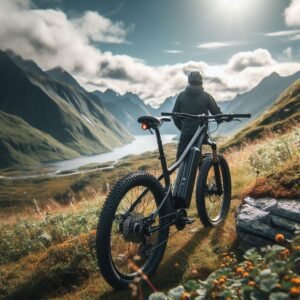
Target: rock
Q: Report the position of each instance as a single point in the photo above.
(248, 240)
(250, 213)
(288, 209)
(259, 220)
(263, 203)
(284, 223)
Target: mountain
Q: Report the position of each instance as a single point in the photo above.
(285, 112)
(125, 108)
(224, 104)
(21, 144)
(128, 107)
(71, 115)
(61, 75)
(256, 101)
(29, 66)
(167, 105)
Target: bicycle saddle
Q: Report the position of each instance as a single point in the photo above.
(149, 120)
(153, 121)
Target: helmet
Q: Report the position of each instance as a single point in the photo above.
(195, 78)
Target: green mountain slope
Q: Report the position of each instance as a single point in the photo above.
(21, 144)
(61, 75)
(69, 114)
(284, 112)
(256, 101)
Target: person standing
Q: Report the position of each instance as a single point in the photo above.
(193, 100)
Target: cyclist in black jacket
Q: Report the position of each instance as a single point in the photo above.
(193, 100)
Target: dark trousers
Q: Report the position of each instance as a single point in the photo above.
(183, 142)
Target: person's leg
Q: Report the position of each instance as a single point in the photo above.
(183, 142)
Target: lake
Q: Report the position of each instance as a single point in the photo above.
(141, 144)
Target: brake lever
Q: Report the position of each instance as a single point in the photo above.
(237, 120)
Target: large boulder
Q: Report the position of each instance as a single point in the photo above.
(259, 220)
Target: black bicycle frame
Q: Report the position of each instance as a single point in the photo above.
(199, 138)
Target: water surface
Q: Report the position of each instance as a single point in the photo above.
(141, 144)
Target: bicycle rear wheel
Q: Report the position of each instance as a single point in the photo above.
(213, 206)
(124, 250)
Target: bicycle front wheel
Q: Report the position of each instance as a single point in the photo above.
(213, 200)
(124, 249)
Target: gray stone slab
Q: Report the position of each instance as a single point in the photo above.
(264, 204)
(249, 213)
(261, 229)
(288, 209)
(248, 240)
(283, 223)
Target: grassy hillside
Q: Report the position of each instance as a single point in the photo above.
(16, 196)
(285, 112)
(49, 252)
(21, 144)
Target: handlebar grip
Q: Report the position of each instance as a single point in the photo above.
(166, 114)
(241, 115)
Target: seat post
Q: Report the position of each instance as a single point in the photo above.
(162, 158)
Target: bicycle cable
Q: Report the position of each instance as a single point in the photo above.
(210, 132)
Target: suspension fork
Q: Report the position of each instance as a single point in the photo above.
(216, 165)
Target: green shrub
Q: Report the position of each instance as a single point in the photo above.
(271, 272)
(27, 237)
(276, 153)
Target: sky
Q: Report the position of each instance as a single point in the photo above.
(148, 47)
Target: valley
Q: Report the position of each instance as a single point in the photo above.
(56, 237)
(48, 227)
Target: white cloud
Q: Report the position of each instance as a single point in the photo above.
(282, 33)
(101, 29)
(213, 45)
(52, 39)
(256, 58)
(173, 51)
(292, 13)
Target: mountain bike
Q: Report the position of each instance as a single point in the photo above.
(134, 223)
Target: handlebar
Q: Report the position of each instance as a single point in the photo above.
(206, 117)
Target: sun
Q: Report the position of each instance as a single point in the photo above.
(235, 6)
(235, 11)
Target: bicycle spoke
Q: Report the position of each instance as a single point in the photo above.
(214, 201)
(122, 249)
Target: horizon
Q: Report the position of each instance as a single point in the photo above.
(61, 69)
(109, 45)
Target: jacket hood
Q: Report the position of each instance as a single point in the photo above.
(193, 90)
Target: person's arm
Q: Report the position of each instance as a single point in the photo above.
(213, 107)
(176, 108)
